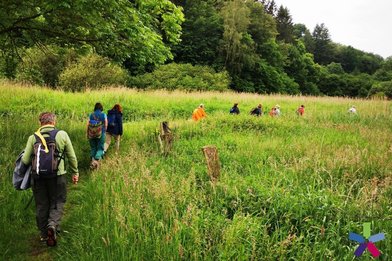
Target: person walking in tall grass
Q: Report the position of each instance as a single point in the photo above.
(301, 110)
(96, 132)
(46, 150)
(115, 127)
(199, 113)
(258, 111)
(235, 109)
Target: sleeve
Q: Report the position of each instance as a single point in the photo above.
(29, 150)
(70, 154)
(120, 125)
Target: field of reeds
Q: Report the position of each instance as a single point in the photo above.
(290, 188)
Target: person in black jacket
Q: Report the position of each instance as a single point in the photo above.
(258, 111)
(115, 127)
(235, 109)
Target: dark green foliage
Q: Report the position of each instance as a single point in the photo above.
(332, 84)
(323, 48)
(43, 65)
(385, 71)
(299, 65)
(335, 68)
(254, 41)
(182, 76)
(202, 33)
(381, 89)
(117, 28)
(354, 60)
(92, 71)
(284, 23)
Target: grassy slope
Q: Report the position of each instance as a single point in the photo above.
(290, 187)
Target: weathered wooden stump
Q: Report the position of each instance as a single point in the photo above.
(165, 138)
(212, 159)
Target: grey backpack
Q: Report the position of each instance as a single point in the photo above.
(21, 178)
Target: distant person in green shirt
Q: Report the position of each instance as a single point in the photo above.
(50, 192)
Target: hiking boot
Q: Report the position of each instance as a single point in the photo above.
(94, 164)
(51, 240)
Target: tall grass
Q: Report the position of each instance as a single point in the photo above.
(290, 187)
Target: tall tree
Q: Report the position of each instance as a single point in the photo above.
(201, 20)
(269, 6)
(237, 43)
(323, 49)
(284, 23)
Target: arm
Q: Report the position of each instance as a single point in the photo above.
(29, 149)
(106, 122)
(70, 154)
(120, 125)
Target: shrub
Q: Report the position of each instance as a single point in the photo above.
(182, 76)
(43, 65)
(92, 71)
(381, 89)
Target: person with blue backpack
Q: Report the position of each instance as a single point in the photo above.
(115, 127)
(45, 152)
(235, 109)
(96, 132)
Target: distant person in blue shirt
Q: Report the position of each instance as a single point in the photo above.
(96, 130)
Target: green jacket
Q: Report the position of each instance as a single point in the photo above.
(63, 144)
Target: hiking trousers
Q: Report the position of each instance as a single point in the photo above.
(117, 139)
(97, 147)
(50, 196)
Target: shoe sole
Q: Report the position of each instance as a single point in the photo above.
(51, 241)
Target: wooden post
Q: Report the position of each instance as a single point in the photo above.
(165, 138)
(212, 159)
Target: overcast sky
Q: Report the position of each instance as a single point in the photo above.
(363, 24)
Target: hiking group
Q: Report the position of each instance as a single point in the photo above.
(199, 113)
(43, 159)
(43, 163)
(101, 128)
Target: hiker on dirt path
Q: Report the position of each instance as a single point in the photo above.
(46, 150)
(115, 127)
(258, 111)
(199, 113)
(96, 132)
(301, 110)
(235, 109)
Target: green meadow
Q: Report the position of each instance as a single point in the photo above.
(291, 188)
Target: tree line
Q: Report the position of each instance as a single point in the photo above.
(251, 46)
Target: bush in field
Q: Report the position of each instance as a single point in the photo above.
(92, 71)
(182, 76)
(381, 89)
(43, 65)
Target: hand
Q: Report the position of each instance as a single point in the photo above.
(75, 179)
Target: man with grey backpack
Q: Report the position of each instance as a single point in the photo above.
(46, 151)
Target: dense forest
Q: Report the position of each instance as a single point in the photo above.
(247, 46)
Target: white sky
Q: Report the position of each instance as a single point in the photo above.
(364, 24)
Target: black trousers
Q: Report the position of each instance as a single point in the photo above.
(50, 196)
